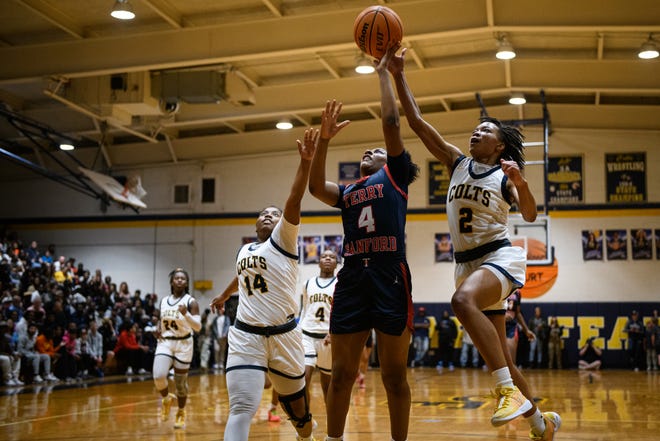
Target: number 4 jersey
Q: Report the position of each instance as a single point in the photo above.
(267, 274)
(172, 323)
(317, 303)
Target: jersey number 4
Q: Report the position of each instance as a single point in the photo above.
(170, 325)
(258, 284)
(366, 219)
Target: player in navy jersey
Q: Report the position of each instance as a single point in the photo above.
(481, 191)
(374, 287)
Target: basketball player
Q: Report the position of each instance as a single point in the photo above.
(374, 287)
(265, 336)
(315, 320)
(178, 319)
(488, 269)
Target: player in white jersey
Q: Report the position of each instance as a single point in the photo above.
(178, 319)
(488, 269)
(315, 320)
(265, 336)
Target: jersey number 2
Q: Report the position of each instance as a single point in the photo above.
(465, 220)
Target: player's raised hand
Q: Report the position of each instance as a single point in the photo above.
(307, 146)
(329, 125)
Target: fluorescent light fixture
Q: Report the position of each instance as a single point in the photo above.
(284, 125)
(504, 49)
(649, 49)
(364, 65)
(123, 10)
(66, 147)
(517, 98)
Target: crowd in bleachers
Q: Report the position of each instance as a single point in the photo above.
(61, 321)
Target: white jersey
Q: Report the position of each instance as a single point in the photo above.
(477, 204)
(172, 322)
(267, 273)
(317, 303)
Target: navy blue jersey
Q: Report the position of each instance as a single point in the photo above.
(373, 211)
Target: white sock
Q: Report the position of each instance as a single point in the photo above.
(536, 422)
(502, 377)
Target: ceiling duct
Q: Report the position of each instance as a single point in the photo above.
(201, 87)
(117, 96)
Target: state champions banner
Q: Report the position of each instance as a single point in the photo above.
(565, 180)
(625, 174)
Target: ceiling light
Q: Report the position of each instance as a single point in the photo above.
(648, 50)
(504, 49)
(517, 98)
(364, 65)
(123, 10)
(66, 147)
(285, 124)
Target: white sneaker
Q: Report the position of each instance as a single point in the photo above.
(10, 382)
(129, 371)
(38, 379)
(142, 371)
(18, 382)
(51, 377)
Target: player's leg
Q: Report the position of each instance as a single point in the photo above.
(393, 356)
(346, 351)
(245, 387)
(161, 368)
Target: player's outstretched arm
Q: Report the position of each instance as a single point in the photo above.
(325, 191)
(434, 142)
(306, 149)
(220, 299)
(389, 110)
(519, 189)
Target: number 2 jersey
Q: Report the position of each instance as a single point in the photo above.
(173, 324)
(477, 206)
(317, 304)
(267, 274)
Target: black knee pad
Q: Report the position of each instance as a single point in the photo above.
(286, 402)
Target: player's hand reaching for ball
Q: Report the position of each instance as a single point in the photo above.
(329, 125)
(307, 146)
(382, 64)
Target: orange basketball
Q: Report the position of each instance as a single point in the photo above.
(375, 28)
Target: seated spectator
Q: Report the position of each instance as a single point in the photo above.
(10, 360)
(26, 348)
(129, 351)
(97, 355)
(590, 356)
(68, 364)
(45, 345)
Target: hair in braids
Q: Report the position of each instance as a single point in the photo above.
(512, 139)
(180, 270)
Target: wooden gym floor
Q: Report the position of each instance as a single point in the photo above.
(608, 405)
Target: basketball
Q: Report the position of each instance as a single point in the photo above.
(374, 29)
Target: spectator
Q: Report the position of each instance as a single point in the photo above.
(590, 356)
(205, 339)
(538, 326)
(129, 351)
(468, 350)
(26, 348)
(98, 356)
(635, 330)
(447, 333)
(219, 333)
(421, 336)
(650, 343)
(10, 360)
(555, 353)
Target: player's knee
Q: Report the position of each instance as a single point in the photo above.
(181, 384)
(291, 404)
(160, 382)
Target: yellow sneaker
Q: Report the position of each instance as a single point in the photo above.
(180, 419)
(552, 424)
(166, 405)
(511, 403)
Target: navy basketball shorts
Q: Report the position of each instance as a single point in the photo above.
(372, 294)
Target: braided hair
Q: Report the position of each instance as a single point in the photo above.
(512, 139)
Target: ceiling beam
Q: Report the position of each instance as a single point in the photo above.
(166, 12)
(54, 16)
